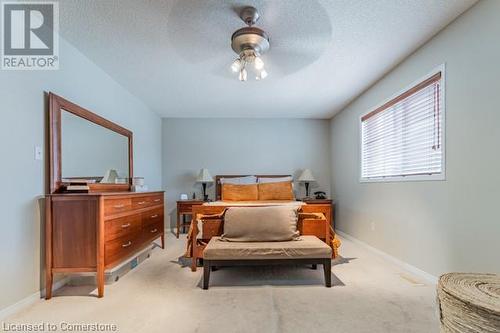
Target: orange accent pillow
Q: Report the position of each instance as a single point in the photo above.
(237, 192)
(276, 191)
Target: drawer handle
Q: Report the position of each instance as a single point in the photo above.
(127, 245)
(154, 216)
(141, 202)
(125, 225)
(154, 230)
(157, 200)
(119, 206)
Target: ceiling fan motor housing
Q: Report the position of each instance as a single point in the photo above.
(250, 38)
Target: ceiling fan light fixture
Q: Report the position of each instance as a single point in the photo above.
(236, 65)
(258, 63)
(249, 43)
(243, 75)
(262, 74)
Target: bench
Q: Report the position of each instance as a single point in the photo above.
(306, 250)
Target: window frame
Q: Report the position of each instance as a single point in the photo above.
(410, 178)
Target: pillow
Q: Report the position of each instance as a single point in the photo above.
(234, 192)
(274, 180)
(239, 180)
(260, 224)
(276, 191)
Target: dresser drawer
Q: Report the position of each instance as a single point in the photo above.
(119, 248)
(120, 227)
(186, 207)
(147, 201)
(115, 206)
(152, 231)
(157, 199)
(152, 216)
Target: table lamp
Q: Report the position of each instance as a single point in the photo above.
(306, 177)
(204, 178)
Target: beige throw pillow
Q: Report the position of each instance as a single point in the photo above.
(260, 224)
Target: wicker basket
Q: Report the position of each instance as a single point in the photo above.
(469, 302)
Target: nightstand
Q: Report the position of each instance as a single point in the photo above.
(184, 207)
(327, 206)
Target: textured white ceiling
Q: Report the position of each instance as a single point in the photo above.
(175, 55)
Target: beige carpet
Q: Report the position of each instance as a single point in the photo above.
(369, 295)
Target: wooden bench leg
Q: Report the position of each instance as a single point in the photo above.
(327, 267)
(206, 273)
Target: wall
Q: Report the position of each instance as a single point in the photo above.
(437, 226)
(241, 146)
(23, 126)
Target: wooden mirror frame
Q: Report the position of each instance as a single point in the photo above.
(56, 104)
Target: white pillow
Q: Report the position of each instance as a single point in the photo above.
(239, 180)
(274, 180)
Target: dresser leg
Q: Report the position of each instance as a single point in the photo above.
(48, 248)
(48, 284)
(100, 283)
(163, 241)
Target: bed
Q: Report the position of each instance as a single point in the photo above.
(208, 219)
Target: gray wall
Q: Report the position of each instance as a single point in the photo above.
(438, 226)
(242, 146)
(23, 178)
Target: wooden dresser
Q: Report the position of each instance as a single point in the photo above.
(92, 232)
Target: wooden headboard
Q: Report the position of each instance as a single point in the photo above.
(218, 187)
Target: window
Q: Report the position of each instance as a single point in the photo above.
(403, 138)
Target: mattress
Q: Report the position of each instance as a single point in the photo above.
(305, 247)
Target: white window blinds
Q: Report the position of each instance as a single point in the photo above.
(403, 137)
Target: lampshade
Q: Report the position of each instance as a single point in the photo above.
(204, 177)
(306, 176)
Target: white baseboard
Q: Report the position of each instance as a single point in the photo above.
(25, 302)
(412, 269)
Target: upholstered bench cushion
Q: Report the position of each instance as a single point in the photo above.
(304, 247)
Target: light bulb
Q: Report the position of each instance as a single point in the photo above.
(262, 75)
(236, 65)
(243, 75)
(258, 63)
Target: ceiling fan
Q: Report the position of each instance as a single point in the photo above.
(206, 33)
(249, 43)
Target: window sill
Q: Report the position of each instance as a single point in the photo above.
(416, 178)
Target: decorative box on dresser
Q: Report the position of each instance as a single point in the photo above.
(92, 232)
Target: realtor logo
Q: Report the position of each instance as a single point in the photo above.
(30, 39)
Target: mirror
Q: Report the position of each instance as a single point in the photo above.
(89, 151)
(87, 148)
